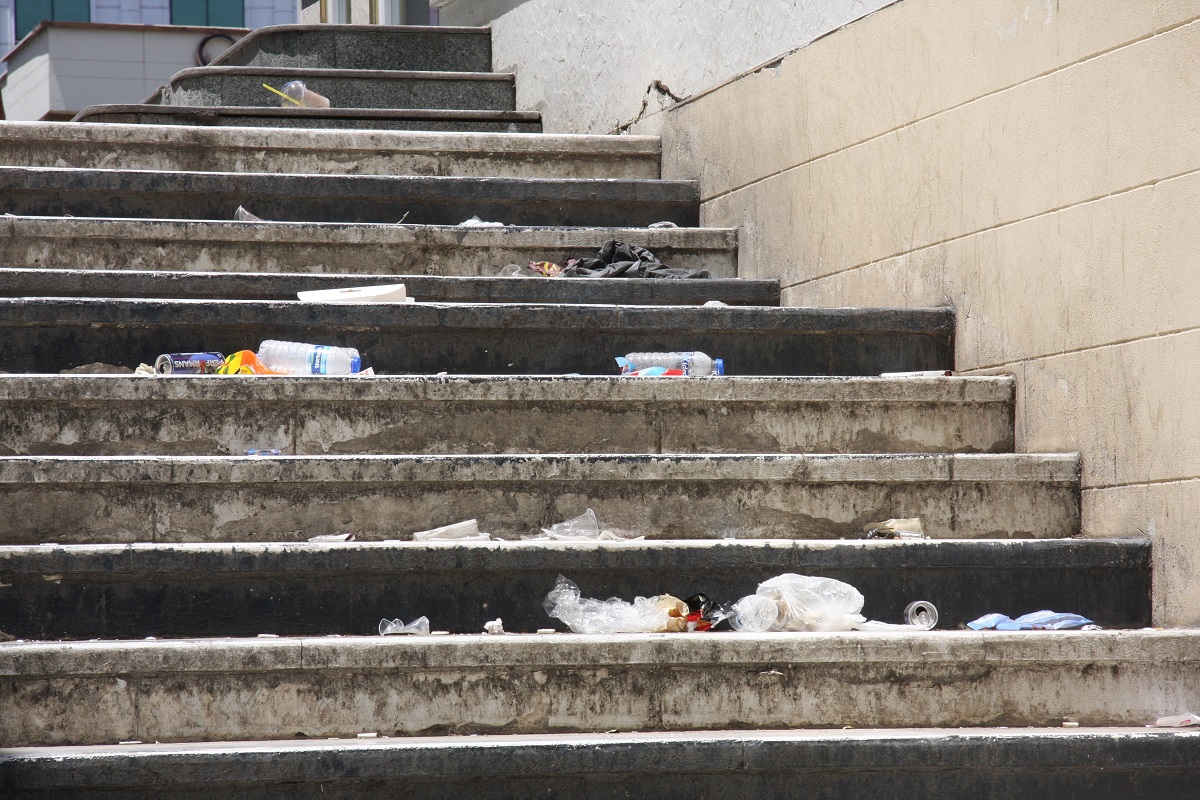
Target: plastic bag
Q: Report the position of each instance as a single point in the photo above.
(896, 529)
(661, 614)
(792, 602)
(584, 528)
(420, 626)
(1036, 621)
(466, 531)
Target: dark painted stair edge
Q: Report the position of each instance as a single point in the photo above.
(346, 118)
(936, 764)
(50, 334)
(426, 288)
(170, 590)
(50, 191)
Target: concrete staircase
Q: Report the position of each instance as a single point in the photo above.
(177, 635)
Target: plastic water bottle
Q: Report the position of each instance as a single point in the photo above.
(296, 358)
(691, 363)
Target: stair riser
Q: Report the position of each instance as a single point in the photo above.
(432, 49)
(174, 591)
(185, 415)
(939, 765)
(426, 288)
(324, 153)
(48, 335)
(343, 249)
(795, 497)
(292, 688)
(360, 90)
(345, 198)
(153, 115)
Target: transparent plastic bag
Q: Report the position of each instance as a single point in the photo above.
(792, 602)
(661, 614)
(466, 531)
(420, 626)
(584, 528)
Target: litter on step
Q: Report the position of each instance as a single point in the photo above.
(1036, 621)
(678, 364)
(419, 626)
(788, 602)
(615, 259)
(895, 529)
(1184, 720)
(387, 293)
(295, 93)
(584, 528)
(466, 531)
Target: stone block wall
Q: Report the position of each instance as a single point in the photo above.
(1033, 163)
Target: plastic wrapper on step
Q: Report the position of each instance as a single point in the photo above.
(1036, 621)
(466, 531)
(584, 528)
(792, 602)
(1177, 721)
(661, 614)
(419, 626)
(896, 529)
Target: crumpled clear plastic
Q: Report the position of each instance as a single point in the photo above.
(465, 531)
(661, 614)
(792, 602)
(420, 625)
(584, 528)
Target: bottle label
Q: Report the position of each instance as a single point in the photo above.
(318, 359)
(685, 363)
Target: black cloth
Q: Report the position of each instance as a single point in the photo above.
(622, 260)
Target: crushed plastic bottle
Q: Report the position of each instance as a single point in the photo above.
(688, 364)
(419, 626)
(296, 358)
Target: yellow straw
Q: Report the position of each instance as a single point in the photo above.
(281, 94)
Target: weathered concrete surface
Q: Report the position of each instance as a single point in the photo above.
(345, 88)
(426, 288)
(206, 690)
(684, 47)
(324, 152)
(401, 47)
(58, 191)
(1033, 165)
(52, 334)
(193, 499)
(342, 248)
(446, 120)
(935, 763)
(204, 415)
(174, 590)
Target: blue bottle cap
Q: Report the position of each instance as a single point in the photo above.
(355, 364)
(718, 366)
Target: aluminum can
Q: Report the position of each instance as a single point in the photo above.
(188, 363)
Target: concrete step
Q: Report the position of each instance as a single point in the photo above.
(324, 152)
(446, 120)
(51, 334)
(48, 191)
(287, 688)
(112, 499)
(180, 590)
(158, 244)
(202, 415)
(408, 47)
(426, 288)
(345, 88)
(936, 764)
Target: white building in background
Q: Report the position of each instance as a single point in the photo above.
(60, 56)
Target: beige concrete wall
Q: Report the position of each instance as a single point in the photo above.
(1035, 164)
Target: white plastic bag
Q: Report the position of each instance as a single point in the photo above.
(466, 531)
(792, 602)
(585, 615)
